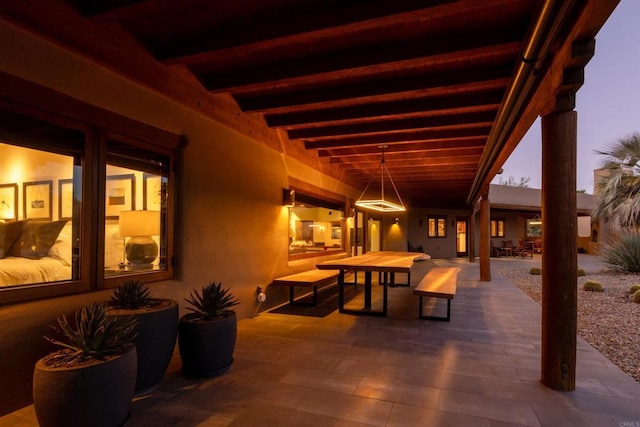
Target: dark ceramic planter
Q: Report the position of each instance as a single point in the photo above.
(206, 346)
(155, 342)
(97, 394)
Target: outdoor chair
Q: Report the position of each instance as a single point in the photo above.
(495, 251)
(511, 249)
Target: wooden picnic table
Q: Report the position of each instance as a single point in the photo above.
(384, 261)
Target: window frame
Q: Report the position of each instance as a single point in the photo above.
(497, 220)
(134, 143)
(437, 219)
(527, 228)
(25, 98)
(320, 198)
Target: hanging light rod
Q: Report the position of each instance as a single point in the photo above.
(381, 204)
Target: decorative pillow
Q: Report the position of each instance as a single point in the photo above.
(61, 251)
(9, 233)
(422, 257)
(37, 238)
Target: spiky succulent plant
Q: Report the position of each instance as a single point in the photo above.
(213, 302)
(94, 336)
(131, 295)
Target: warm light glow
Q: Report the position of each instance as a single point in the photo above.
(380, 206)
(535, 221)
(139, 223)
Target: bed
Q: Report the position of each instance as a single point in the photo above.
(34, 252)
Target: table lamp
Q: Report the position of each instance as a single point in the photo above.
(141, 250)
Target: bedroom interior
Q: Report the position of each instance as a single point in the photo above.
(38, 194)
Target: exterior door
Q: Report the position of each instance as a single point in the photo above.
(374, 235)
(461, 237)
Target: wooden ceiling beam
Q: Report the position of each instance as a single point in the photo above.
(392, 156)
(298, 22)
(410, 162)
(449, 184)
(403, 181)
(425, 170)
(441, 121)
(295, 70)
(424, 105)
(454, 144)
(401, 137)
(496, 76)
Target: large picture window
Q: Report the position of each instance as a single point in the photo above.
(72, 193)
(315, 227)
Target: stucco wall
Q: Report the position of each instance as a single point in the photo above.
(441, 247)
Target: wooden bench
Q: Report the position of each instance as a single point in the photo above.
(311, 278)
(439, 282)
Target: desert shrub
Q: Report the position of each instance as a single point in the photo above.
(623, 253)
(636, 297)
(593, 286)
(634, 289)
(536, 271)
(581, 272)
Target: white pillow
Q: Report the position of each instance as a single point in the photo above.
(61, 251)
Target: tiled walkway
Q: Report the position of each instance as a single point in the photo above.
(481, 369)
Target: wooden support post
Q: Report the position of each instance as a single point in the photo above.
(559, 250)
(485, 267)
(472, 234)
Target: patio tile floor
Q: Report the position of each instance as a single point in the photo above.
(480, 369)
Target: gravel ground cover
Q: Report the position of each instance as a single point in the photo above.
(609, 321)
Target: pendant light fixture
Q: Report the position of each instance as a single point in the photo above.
(381, 204)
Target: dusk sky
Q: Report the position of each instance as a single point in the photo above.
(608, 104)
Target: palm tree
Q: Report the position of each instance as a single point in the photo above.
(618, 202)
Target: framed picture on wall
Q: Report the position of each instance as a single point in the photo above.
(152, 192)
(120, 195)
(9, 202)
(37, 200)
(65, 198)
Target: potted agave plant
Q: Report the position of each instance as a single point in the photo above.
(90, 381)
(207, 335)
(157, 329)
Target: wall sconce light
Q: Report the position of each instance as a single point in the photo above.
(141, 250)
(288, 197)
(396, 221)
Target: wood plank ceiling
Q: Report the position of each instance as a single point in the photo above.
(426, 78)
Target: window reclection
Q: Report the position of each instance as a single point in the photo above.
(315, 227)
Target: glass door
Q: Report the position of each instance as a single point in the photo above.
(374, 235)
(461, 237)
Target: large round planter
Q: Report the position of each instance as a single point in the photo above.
(96, 394)
(155, 342)
(206, 346)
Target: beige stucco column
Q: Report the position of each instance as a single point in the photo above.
(559, 250)
(485, 267)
